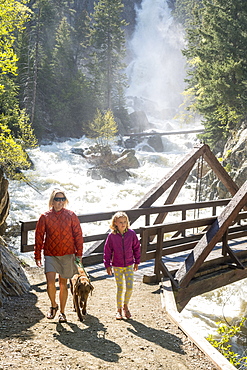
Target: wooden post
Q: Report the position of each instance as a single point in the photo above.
(183, 218)
(225, 243)
(24, 238)
(144, 243)
(158, 254)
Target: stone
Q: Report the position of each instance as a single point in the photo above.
(155, 141)
(139, 122)
(127, 160)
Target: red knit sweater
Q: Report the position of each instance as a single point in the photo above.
(58, 233)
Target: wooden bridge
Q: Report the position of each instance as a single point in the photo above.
(206, 248)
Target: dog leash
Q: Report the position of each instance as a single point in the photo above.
(79, 263)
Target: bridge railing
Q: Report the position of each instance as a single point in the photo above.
(183, 239)
(94, 253)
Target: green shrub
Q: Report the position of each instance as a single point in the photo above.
(223, 345)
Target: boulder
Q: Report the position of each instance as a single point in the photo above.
(155, 141)
(111, 174)
(131, 143)
(127, 160)
(109, 165)
(139, 122)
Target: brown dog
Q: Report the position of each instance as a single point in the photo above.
(80, 287)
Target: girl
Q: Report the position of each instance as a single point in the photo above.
(122, 252)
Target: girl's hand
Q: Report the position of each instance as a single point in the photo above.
(135, 267)
(109, 271)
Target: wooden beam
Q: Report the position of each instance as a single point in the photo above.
(158, 254)
(167, 273)
(206, 284)
(220, 172)
(173, 195)
(212, 236)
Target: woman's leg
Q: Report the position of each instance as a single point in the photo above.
(63, 294)
(51, 287)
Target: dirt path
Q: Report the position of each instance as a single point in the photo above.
(28, 340)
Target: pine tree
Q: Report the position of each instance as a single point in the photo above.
(107, 53)
(54, 90)
(70, 90)
(103, 128)
(217, 54)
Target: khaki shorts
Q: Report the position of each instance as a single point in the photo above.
(63, 265)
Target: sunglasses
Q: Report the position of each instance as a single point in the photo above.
(57, 199)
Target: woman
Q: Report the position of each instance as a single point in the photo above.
(58, 233)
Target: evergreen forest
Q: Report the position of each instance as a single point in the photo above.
(63, 61)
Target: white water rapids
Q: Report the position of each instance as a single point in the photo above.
(156, 79)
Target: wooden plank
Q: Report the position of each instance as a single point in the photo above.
(220, 172)
(158, 254)
(166, 273)
(137, 212)
(27, 248)
(28, 225)
(208, 283)
(212, 236)
(179, 226)
(93, 259)
(233, 257)
(173, 195)
(144, 243)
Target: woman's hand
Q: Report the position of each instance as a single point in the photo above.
(38, 263)
(135, 267)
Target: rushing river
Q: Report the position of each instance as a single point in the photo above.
(55, 166)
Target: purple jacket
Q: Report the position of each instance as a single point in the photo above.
(122, 250)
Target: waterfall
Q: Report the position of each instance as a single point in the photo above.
(156, 71)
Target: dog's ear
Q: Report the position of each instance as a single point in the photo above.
(91, 287)
(77, 287)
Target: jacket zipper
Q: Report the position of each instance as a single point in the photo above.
(123, 250)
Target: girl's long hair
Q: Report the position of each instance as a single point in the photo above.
(117, 215)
